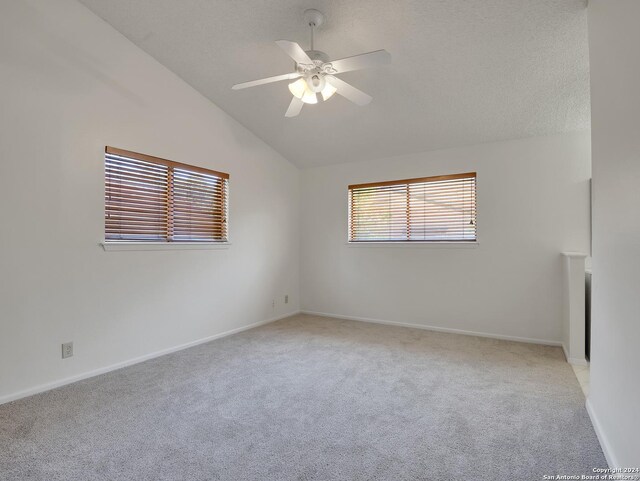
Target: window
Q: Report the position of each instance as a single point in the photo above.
(429, 209)
(149, 199)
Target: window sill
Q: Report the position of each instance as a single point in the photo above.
(418, 244)
(164, 246)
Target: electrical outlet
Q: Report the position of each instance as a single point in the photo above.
(286, 299)
(67, 350)
(273, 304)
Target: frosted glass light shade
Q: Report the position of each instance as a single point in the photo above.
(310, 98)
(300, 89)
(328, 91)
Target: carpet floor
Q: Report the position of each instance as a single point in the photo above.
(310, 398)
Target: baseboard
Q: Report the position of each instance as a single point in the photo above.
(604, 443)
(576, 361)
(436, 328)
(113, 367)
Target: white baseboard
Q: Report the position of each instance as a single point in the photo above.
(604, 443)
(436, 328)
(96, 372)
(576, 361)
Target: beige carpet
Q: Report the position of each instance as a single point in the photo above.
(311, 398)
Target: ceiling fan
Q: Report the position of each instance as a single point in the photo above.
(316, 75)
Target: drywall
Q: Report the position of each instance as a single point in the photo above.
(614, 37)
(532, 205)
(463, 72)
(70, 84)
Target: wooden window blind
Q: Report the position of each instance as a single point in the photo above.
(427, 209)
(149, 199)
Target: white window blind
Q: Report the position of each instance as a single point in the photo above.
(156, 200)
(427, 209)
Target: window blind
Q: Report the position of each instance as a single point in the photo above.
(156, 200)
(427, 209)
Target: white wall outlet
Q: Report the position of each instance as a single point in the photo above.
(286, 298)
(273, 304)
(67, 350)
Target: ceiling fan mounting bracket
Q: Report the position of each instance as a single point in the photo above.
(313, 17)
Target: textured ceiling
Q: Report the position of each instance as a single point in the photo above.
(463, 71)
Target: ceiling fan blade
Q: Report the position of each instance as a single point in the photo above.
(294, 51)
(294, 107)
(268, 80)
(365, 60)
(348, 91)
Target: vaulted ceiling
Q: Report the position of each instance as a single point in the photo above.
(463, 71)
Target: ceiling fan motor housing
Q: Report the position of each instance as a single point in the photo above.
(314, 74)
(317, 56)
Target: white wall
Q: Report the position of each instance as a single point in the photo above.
(614, 399)
(532, 205)
(69, 85)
